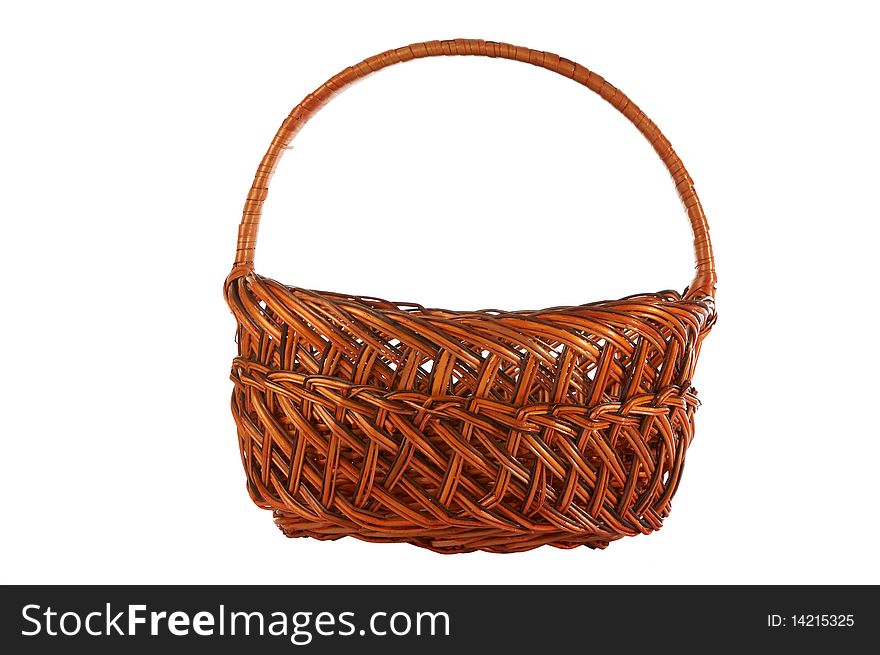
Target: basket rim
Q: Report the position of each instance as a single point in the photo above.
(701, 304)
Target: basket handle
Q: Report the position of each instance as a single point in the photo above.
(705, 278)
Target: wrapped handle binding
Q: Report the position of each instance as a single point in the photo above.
(705, 278)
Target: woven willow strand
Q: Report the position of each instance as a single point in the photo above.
(460, 431)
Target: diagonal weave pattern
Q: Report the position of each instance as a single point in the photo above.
(460, 431)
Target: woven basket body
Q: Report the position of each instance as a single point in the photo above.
(460, 431)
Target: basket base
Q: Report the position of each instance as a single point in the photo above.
(443, 540)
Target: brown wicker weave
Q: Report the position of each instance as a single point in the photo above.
(465, 430)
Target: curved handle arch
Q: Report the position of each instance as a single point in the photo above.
(705, 278)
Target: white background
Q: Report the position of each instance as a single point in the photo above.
(128, 140)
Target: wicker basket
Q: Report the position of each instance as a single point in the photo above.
(461, 431)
